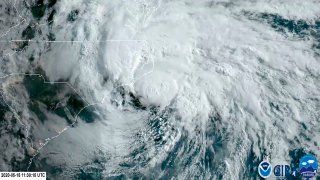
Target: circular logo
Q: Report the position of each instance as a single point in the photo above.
(265, 169)
(308, 166)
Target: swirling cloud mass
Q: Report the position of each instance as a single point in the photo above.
(158, 89)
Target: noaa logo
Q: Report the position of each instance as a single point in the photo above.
(308, 166)
(265, 169)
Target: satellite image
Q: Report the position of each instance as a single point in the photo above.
(160, 89)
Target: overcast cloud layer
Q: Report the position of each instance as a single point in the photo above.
(184, 89)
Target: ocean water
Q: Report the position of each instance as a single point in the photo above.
(161, 89)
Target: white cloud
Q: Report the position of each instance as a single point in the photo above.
(203, 59)
(310, 161)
